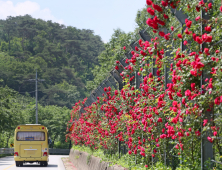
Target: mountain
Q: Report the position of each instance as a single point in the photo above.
(63, 56)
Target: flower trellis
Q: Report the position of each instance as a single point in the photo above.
(169, 97)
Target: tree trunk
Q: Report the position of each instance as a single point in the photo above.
(8, 140)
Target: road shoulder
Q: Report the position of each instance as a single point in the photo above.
(68, 164)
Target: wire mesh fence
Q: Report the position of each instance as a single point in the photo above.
(201, 153)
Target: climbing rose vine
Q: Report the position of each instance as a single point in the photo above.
(162, 114)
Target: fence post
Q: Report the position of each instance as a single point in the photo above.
(206, 146)
(119, 147)
(112, 81)
(118, 78)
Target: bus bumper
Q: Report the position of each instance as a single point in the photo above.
(18, 158)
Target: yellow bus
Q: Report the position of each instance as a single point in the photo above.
(31, 144)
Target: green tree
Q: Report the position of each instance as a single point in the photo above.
(113, 51)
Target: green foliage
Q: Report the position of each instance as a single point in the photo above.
(64, 57)
(55, 119)
(10, 113)
(4, 155)
(9, 110)
(88, 159)
(113, 51)
(125, 161)
(60, 144)
(16, 109)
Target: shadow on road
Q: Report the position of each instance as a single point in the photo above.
(5, 161)
(7, 158)
(4, 164)
(38, 165)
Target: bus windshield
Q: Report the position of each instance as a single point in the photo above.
(30, 136)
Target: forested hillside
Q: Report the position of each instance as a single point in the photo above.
(63, 56)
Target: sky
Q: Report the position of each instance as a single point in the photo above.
(101, 16)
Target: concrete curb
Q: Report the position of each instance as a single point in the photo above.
(82, 161)
(61, 164)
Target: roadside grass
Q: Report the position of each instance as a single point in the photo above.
(128, 162)
(125, 160)
(4, 155)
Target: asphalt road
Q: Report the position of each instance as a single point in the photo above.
(55, 163)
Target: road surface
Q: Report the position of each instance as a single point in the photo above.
(55, 163)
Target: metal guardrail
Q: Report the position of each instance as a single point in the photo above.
(59, 151)
(6, 150)
(51, 151)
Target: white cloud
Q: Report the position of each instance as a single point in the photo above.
(7, 8)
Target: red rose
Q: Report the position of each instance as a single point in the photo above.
(187, 31)
(136, 48)
(199, 40)
(210, 139)
(188, 23)
(158, 72)
(143, 53)
(157, 7)
(161, 34)
(197, 133)
(206, 50)
(217, 101)
(149, 2)
(164, 3)
(197, 8)
(197, 18)
(150, 11)
(179, 94)
(172, 5)
(166, 37)
(165, 16)
(179, 36)
(201, 3)
(159, 119)
(210, 5)
(192, 86)
(215, 133)
(175, 103)
(188, 93)
(208, 28)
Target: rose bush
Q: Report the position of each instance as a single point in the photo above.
(163, 117)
